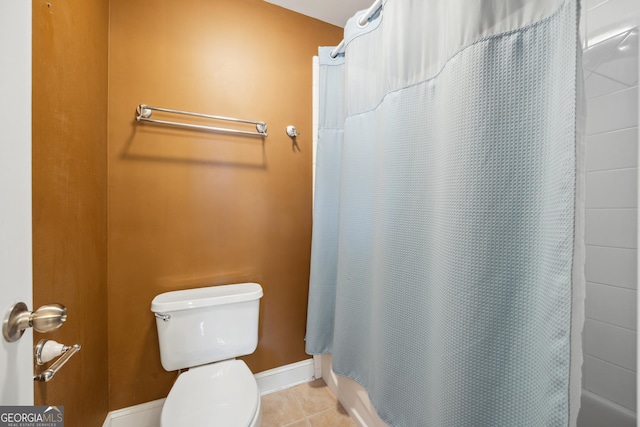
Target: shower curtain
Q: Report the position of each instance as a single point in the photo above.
(447, 251)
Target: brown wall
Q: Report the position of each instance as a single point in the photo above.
(70, 42)
(191, 208)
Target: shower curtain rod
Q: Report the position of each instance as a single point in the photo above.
(144, 113)
(362, 22)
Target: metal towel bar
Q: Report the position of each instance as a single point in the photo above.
(144, 113)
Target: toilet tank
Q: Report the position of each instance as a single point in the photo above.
(205, 325)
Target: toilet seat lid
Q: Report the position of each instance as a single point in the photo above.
(219, 394)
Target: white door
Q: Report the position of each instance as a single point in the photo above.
(16, 359)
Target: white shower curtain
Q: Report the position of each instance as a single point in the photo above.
(446, 271)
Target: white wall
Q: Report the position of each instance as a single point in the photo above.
(611, 81)
(16, 359)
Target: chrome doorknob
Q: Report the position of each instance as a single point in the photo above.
(47, 318)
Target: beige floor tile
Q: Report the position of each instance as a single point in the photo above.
(279, 409)
(334, 417)
(314, 397)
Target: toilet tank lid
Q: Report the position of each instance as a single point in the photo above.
(205, 297)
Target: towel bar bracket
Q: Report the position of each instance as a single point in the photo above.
(49, 373)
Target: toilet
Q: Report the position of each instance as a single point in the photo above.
(204, 330)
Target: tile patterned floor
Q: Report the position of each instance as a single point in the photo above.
(306, 405)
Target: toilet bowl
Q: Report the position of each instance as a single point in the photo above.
(219, 394)
(204, 329)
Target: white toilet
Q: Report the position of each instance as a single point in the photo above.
(204, 329)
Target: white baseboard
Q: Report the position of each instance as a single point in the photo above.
(148, 414)
(285, 376)
(143, 415)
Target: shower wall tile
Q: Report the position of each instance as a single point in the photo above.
(612, 343)
(612, 189)
(596, 54)
(611, 227)
(622, 64)
(613, 150)
(611, 71)
(613, 305)
(611, 266)
(610, 17)
(615, 111)
(610, 381)
(597, 85)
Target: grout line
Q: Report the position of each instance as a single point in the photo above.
(635, 86)
(619, 130)
(628, 168)
(628, 86)
(629, 209)
(322, 412)
(611, 286)
(609, 363)
(610, 170)
(610, 130)
(592, 8)
(305, 416)
(611, 324)
(611, 247)
(609, 208)
(298, 403)
(295, 422)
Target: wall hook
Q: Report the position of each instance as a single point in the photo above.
(292, 132)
